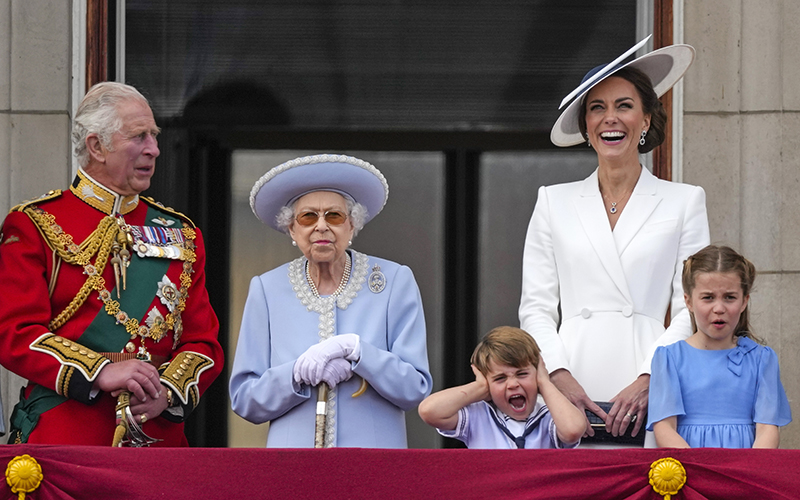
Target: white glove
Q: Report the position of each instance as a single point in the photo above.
(309, 366)
(337, 370)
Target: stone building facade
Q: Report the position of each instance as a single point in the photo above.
(740, 138)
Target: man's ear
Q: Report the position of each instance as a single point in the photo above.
(95, 148)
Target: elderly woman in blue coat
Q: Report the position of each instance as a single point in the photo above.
(333, 318)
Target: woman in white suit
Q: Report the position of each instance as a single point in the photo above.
(608, 251)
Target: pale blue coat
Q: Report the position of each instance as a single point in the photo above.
(277, 328)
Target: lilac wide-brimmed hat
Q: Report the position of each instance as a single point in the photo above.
(664, 67)
(352, 178)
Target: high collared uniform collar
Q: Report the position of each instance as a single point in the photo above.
(100, 197)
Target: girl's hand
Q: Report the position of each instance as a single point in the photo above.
(483, 384)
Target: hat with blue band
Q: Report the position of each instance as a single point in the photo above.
(663, 66)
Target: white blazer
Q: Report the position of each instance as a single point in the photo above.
(613, 287)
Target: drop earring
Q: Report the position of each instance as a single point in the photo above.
(641, 141)
(587, 141)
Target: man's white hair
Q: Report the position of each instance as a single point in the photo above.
(98, 114)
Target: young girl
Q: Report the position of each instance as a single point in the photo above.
(718, 388)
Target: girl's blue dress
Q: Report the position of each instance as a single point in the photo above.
(718, 396)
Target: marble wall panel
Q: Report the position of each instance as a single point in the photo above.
(790, 191)
(790, 40)
(711, 159)
(5, 54)
(5, 153)
(39, 157)
(789, 354)
(761, 55)
(761, 189)
(713, 27)
(40, 55)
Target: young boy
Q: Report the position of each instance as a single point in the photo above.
(500, 409)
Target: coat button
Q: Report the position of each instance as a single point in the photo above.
(627, 311)
(586, 313)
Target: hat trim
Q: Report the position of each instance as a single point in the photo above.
(310, 160)
(602, 73)
(562, 138)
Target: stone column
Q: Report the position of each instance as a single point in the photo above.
(35, 102)
(742, 144)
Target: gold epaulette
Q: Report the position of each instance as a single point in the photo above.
(52, 194)
(170, 210)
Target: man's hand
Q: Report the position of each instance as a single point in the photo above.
(150, 409)
(135, 376)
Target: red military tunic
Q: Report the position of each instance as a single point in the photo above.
(45, 334)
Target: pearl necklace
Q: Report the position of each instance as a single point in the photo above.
(342, 283)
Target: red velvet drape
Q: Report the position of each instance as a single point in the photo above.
(198, 473)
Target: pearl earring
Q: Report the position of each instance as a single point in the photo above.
(294, 243)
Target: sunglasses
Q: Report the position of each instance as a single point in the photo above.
(332, 217)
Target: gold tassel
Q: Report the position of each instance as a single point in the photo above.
(123, 401)
(361, 389)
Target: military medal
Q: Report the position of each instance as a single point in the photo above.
(155, 322)
(168, 293)
(162, 221)
(159, 242)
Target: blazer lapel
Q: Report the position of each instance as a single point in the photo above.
(591, 212)
(641, 204)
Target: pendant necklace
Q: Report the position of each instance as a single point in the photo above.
(613, 208)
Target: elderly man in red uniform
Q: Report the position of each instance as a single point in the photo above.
(105, 309)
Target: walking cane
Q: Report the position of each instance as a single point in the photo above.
(322, 408)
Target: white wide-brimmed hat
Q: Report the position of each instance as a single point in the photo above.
(352, 178)
(664, 67)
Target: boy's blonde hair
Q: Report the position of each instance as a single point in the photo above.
(508, 346)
